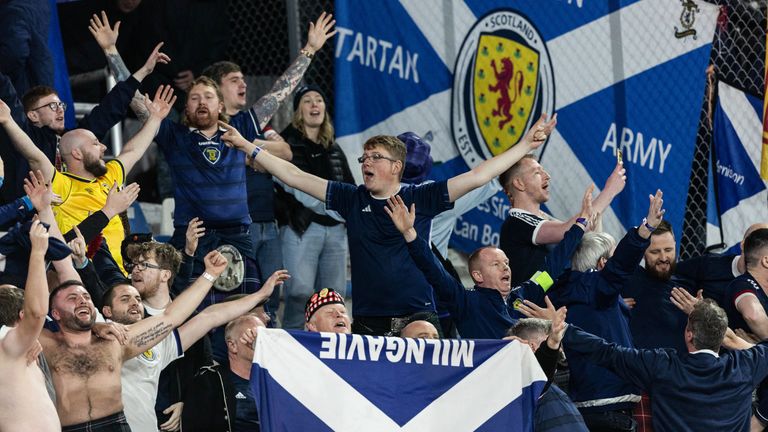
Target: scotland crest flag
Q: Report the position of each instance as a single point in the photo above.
(471, 76)
(335, 382)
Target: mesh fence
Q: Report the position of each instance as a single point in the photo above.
(738, 59)
(266, 38)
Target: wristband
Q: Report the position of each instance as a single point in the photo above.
(307, 53)
(543, 279)
(209, 277)
(583, 221)
(648, 226)
(255, 152)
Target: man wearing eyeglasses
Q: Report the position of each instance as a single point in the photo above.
(40, 113)
(387, 286)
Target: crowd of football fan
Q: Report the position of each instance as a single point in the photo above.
(122, 332)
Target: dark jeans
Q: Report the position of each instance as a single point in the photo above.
(610, 421)
(112, 423)
(387, 326)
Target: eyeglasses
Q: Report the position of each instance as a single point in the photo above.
(141, 266)
(375, 157)
(54, 106)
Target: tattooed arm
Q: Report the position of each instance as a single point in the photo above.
(106, 37)
(319, 32)
(150, 331)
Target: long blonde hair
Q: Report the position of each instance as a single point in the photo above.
(324, 136)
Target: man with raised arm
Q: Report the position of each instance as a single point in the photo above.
(86, 370)
(24, 402)
(388, 287)
(141, 375)
(85, 186)
(528, 231)
(40, 113)
(487, 310)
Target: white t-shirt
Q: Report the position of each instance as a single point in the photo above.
(140, 378)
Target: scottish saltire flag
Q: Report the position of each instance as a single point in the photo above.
(334, 382)
(741, 198)
(472, 76)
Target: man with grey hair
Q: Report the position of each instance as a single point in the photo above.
(698, 390)
(591, 291)
(554, 410)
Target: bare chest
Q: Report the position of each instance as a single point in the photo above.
(84, 361)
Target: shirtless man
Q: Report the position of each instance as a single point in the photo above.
(24, 401)
(86, 370)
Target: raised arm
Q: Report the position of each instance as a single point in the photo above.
(489, 169)
(287, 172)
(754, 314)
(219, 314)
(24, 145)
(150, 331)
(620, 267)
(158, 110)
(638, 367)
(319, 32)
(106, 37)
(613, 186)
(29, 326)
(446, 287)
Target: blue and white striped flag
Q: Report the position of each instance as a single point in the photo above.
(471, 76)
(327, 381)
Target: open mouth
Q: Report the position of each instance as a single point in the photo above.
(340, 324)
(83, 312)
(367, 175)
(241, 94)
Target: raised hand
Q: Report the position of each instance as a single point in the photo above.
(79, 248)
(38, 236)
(161, 105)
(118, 201)
(400, 215)
(319, 32)
(617, 180)
(558, 326)
(684, 300)
(586, 208)
(38, 192)
(540, 131)
(195, 230)
(532, 310)
(154, 58)
(655, 210)
(215, 263)
(105, 35)
(276, 279)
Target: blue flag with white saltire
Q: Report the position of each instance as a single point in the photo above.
(334, 382)
(741, 195)
(471, 76)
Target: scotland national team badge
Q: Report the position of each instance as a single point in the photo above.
(212, 154)
(503, 81)
(148, 355)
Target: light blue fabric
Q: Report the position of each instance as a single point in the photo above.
(317, 259)
(266, 246)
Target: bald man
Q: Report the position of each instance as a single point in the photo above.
(419, 329)
(220, 398)
(713, 273)
(87, 183)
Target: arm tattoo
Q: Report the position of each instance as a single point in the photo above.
(118, 68)
(138, 107)
(267, 105)
(147, 337)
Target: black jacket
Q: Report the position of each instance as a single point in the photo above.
(330, 164)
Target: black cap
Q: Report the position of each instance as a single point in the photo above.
(301, 91)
